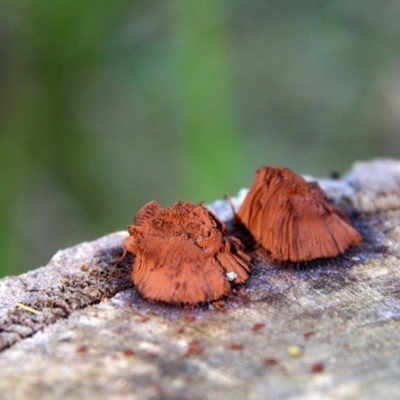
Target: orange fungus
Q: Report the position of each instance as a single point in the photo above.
(292, 219)
(184, 255)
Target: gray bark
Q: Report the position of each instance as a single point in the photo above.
(330, 330)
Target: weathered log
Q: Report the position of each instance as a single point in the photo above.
(328, 329)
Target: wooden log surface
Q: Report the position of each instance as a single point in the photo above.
(327, 330)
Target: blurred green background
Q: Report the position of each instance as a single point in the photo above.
(106, 105)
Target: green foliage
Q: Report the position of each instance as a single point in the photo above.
(105, 106)
(212, 147)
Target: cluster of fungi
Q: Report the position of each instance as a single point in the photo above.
(185, 255)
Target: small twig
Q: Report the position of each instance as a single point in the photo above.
(27, 308)
(230, 202)
(118, 261)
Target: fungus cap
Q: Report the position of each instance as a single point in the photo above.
(292, 219)
(183, 254)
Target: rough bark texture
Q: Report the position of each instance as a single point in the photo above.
(328, 330)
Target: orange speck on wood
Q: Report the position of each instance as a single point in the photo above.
(150, 355)
(193, 348)
(236, 346)
(257, 326)
(82, 349)
(183, 254)
(189, 318)
(317, 368)
(128, 353)
(270, 361)
(292, 219)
